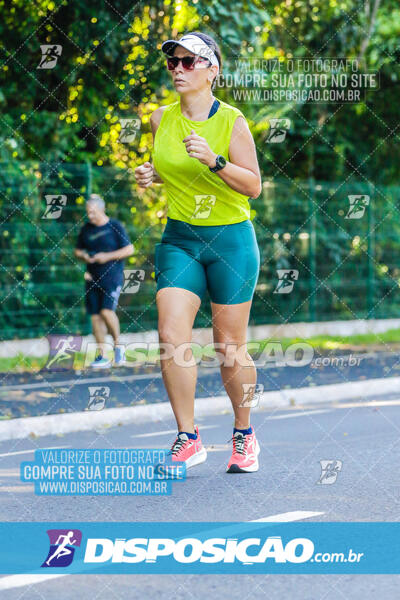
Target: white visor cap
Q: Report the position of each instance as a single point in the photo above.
(194, 44)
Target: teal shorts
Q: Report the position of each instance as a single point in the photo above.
(223, 259)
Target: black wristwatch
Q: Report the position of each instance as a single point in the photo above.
(220, 163)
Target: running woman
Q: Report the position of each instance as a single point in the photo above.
(205, 155)
(103, 244)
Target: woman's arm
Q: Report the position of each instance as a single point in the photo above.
(155, 119)
(242, 173)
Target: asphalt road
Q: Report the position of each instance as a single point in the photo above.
(364, 437)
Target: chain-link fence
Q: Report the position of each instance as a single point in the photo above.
(329, 250)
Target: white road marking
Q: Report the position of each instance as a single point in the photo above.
(285, 416)
(218, 447)
(32, 450)
(295, 515)
(298, 414)
(363, 404)
(16, 489)
(13, 581)
(165, 431)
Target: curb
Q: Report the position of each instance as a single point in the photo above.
(92, 420)
(39, 347)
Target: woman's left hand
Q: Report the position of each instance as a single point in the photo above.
(197, 147)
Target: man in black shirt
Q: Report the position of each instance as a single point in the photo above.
(103, 244)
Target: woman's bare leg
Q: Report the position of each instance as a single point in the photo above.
(230, 329)
(177, 309)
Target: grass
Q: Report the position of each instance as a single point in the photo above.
(333, 342)
(29, 364)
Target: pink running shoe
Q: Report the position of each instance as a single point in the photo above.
(245, 452)
(192, 452)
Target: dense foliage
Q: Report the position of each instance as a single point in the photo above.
(111, 68)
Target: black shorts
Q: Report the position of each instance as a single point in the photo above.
(102, 294)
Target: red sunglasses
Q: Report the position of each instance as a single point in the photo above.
(188, 62)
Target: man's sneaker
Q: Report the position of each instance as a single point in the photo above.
(119, 356)
(245, 452)
(184, 449)
(100, 362)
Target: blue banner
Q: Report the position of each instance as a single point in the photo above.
(153, 547)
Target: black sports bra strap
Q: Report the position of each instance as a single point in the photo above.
(214, 108)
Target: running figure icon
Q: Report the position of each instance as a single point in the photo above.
(62, 550)
(50, 55)
(65, 348)
(287, 278)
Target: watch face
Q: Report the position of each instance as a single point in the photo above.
(221, 161)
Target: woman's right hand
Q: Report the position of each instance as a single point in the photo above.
(144, 175)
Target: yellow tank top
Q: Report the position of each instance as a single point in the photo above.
(194, 193)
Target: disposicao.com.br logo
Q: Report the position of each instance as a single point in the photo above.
(212, 550)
